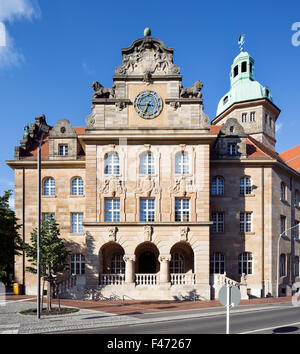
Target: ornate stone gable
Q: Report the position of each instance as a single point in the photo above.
(147, 56)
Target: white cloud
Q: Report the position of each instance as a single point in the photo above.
(87, 69)
(10, 11)
(278, 127)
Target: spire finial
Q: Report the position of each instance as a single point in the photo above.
(241, 42)
(147, 32)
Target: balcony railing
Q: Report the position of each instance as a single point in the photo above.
(146, 279)
(183, 279)
(112, 279)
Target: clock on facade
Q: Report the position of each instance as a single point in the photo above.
(148, 104)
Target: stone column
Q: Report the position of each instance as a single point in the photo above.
(164, 269)
(129, 269)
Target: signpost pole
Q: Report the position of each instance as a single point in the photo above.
(227, 307)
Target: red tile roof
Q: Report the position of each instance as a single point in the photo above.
(292, 157)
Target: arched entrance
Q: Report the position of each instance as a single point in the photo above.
(111, 264)
(182, 264)
(147, 262)
(147, 258)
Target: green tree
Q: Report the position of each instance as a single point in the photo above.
(53, 254)
(10, 240)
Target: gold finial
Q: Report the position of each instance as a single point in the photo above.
(147, 32)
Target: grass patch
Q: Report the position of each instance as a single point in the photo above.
(54, 311)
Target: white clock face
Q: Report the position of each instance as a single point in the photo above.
(148, 104)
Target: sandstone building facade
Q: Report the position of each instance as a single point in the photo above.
(156, 202)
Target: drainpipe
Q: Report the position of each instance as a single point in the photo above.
(263, 232)
(23, 226)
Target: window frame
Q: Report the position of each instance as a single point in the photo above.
(218, 185)
(51, 188)
(181, 212)
(245, 221)
(77, 223)
(218, 218)
(182, 163)
(78, 188)
(114, 213)
(217, 263)
(77, 264)
(148, 210)
(63, 149)
(112, 163)
(245, 261)
(147, 163)
(245, 185)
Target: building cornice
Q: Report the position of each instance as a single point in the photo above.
(243, 104)
(132, 223)
(15, 164)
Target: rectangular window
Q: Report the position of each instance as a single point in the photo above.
(182, 209)
(63, 150)
(218, 222)
(48, 216)
(112, 210)
(77, 223)
(232, 149)
(77, 264)
(245, 222)
(266, 118)
(244, 117)
(282, 225)
(147, 209)
(252, 117)
(245, 185)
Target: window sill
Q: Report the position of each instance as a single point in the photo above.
(77, 196)
(247, 195)
(247, 233)
(77, 234)
(49, 196)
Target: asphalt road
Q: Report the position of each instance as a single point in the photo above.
(281, 318)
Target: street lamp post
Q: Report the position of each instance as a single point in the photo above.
(278, 263)
(38, 243)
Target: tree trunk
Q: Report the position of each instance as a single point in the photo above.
(43, 295)
(49, 307)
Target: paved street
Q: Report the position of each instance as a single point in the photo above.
(271, 317)
(283, 318)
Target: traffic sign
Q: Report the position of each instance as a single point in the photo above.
(234, 295)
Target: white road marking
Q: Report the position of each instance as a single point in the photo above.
(269, 328)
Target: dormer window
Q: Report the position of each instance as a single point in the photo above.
(232, 149)
(267, 92)
(235, 71)
(63, 150)
(244, 67)
(225, 100)
(252, 117)
(251, 67)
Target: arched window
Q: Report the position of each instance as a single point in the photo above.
(112, 164)
(147, 163)
(217, 186)
(177, 263)
(77, 186)
(49, 186)
(245, 263)
(117, 264)
(217, 263)
(245, 185)
(77, 264)
(182, 165)
(282, 262)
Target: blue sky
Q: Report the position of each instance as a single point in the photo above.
(56, 49)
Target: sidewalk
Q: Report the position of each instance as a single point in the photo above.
(95, 314)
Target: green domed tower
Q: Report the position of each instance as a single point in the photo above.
(248, 101)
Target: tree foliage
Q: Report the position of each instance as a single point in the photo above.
(10, 240)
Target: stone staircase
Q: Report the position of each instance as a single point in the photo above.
(219, 280)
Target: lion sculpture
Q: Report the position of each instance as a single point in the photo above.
(102, 92)
(192, 92)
